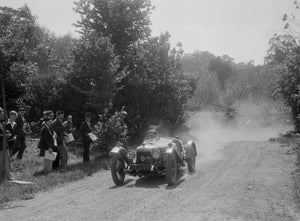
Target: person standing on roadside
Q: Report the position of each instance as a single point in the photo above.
(68, 126)
(20, 144)
(46, 137)
(11, 128)
(58, 129)
(41, 121)
(4, 155)
(84, 130)
(51, 115)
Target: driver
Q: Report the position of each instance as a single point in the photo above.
(152, 135)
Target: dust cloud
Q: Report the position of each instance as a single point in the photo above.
(212, 131)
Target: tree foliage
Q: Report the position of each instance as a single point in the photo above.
(95, 72)
(16, 43)
(222, 68)
(124, 22)
(147, 78)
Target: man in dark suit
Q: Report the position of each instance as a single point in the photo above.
(84, 130)
(46, 138)
(20, 144)
(57, 127)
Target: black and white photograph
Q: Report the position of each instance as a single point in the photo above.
(149, 110)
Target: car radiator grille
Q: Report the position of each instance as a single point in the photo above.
(144, 157)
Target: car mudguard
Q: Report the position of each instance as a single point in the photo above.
(171, 150)
(120, 151)
(188, 149)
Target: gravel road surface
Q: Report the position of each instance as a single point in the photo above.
(250, 181)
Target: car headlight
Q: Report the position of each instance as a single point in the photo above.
(156, 154)
(131, 155)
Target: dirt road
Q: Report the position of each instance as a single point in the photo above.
(250, 181)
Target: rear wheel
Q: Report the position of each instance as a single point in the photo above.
(171, 169)
(118, 169)
(192, 160)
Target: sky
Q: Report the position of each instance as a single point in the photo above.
(238, 28)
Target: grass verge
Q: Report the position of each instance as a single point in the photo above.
(30, 169)
(292, 140)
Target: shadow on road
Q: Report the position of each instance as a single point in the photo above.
(125, 183)
(157, 181)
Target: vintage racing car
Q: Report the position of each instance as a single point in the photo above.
(161, 156)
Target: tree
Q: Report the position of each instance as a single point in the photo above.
(280, 46)
(124, 22)
(156, 90)
(197, 63)
(282, 61)
(290, 84)
(15, 39)
(291, 22)
(95, 73)
(16, 42)
(222, 68)
(48, 87)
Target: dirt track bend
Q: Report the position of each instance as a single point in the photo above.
(252, 181)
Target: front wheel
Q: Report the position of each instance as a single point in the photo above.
(171, 169)
(118, 169)
(192, 160)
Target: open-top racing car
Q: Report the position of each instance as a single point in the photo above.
(160, 156)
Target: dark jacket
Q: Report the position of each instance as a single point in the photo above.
(20, 132)
(1, 139)
(84, 130)
(58, 128)
(46, 139)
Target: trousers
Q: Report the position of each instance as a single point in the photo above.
(86, 151)
(62, 156)
(19, 147)
(6, 163)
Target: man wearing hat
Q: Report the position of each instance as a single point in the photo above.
(84, 130)
(20, 144)
(58, 129)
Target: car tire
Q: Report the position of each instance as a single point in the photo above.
(118, 169)
(191, 162)
(171, 169)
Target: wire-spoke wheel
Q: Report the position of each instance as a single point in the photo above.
(117, 169)
(192, 160)
(171, 169)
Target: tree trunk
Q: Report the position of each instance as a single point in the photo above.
(2, 167)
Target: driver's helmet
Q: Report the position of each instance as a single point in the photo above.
(152, 134)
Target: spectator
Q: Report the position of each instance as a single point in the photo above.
(20, 144)
(4, 155)
(68, 125)
(46, 138)
(84, 130)
(51, 115)
(40, 124)
(41, 121)
(11, 128)
(57, 127)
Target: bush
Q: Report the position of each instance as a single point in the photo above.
(111, 130)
